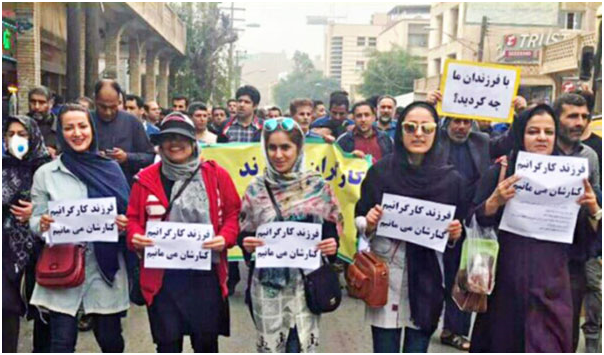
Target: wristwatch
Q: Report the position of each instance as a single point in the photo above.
(597, 216)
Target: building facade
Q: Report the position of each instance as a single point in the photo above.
(69, 46)
(513, 33)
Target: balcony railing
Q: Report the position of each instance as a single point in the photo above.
(164, 20)
(564, 55)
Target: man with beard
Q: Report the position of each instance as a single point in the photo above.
(364, 138)
(335, 124)
(585, 256)
(219, 118)
(468, 152)
(39, 109)
(386, 108)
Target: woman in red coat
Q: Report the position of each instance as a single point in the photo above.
(185, 302)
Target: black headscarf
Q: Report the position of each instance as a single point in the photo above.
(17, 179)
(103, 178)
(519, 128)
(429, 174)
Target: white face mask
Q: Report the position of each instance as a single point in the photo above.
(18, 146)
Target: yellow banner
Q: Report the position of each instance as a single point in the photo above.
(344, 172)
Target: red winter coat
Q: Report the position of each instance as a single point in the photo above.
(148, 193)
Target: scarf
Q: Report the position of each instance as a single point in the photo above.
(299, 194)
(193, 205)
(103, 177)
(17, 179)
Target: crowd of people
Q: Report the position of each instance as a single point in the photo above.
(150, 160)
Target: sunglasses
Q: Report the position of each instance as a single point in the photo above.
(286, 123)
(412, 127)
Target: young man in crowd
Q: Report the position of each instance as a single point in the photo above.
(273, 112)
(152, 112)
(319, 109)
(386, 105)
(121, 136)
(134, 106)
(218, 119)
(200, 116)
(365, 138)
(232, 107)
(335, 124)
(302, 112)
(585, 256)
(39, 99)
(245, 126)
(180, 103)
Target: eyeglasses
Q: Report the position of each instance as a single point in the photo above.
(286, 123)
(412, 127)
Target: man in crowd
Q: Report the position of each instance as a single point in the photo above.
(468, 152)
(386, 108)
(152, 112)
(121, 136)
(589, 138)
(364, 138)
(319, 110)
(332, 126)
(244, 127)
(200, 116)
(585, 256)
(302, 111)
(180, 103)
(134, 106)
(273, 112)
(86, 102)
(39, 99)
(219, 118)
(232, 107)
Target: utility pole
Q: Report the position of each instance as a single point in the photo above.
(483, 33)
(230, 72)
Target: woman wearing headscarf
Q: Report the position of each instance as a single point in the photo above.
(24, 154)
(280, 311)
(181, 301)
(81, 173)
(530, 309)
(416, 292)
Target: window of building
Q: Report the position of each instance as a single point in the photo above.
(360, 41)
(359, 65)
(418, 40)
(372, 41)
(571, 20)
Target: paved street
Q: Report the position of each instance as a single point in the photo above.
(343, 331)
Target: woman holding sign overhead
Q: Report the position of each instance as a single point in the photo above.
(415, 170)
(530, 309)
(78, 174)
(280, 311)
(181, 188)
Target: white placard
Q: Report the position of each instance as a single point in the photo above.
(178, 246)
(289, 244)
(545, 205)
(78, 221)
(416, 221)
(478, 90)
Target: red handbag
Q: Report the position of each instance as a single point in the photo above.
(61, 266)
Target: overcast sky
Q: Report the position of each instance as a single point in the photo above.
(283, 25)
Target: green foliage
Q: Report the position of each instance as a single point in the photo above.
(203, 73)
(304, 82)
(390, 73)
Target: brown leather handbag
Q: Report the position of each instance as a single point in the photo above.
(367, 279)
(61, 266)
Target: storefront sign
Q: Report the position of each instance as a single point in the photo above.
(9, 41)
(524, 47)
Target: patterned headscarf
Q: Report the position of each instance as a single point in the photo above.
(17, 179)
(300, 194)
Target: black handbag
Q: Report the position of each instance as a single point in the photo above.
(321, 286)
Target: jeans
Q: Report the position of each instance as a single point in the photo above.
(107, 330)
(41, 339)
(10, 332)
(389, 340)
(592, 328)
(204, 343)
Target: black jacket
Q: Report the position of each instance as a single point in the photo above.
(346, 142)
